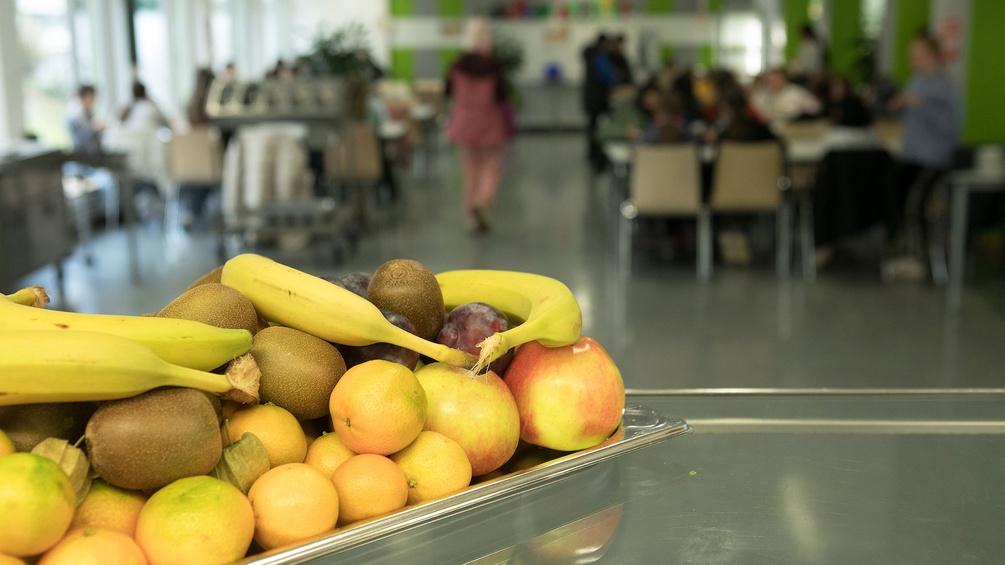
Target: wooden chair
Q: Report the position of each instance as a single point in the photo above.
(355, 160)
(194, 159)
(748, 179)
(666, 182)
(807, 130)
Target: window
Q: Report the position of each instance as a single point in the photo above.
(48, 68)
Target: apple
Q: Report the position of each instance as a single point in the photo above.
(476, 411)
(569, 397)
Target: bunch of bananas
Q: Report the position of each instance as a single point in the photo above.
(54, 356)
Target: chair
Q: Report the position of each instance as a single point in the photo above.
(356, 160)
(748, 179)
(195, 159)
(665, 182)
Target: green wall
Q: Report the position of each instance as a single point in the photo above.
(985, 104)
(796, 14)
(660, 6)
(912, 19)
(845, 36)
(402, 64)
(401, 8)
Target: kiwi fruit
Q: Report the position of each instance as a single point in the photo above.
(410, 289)
(214, 304)
(150, 440)
(213, 276)
(28, 424)
(299, 370)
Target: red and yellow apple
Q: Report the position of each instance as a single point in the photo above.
(476, 411)
(569, 397)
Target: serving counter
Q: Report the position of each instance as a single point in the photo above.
(766, 477)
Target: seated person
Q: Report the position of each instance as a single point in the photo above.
(779, 100)
(851, 123)
(645, 121)
(85, 131)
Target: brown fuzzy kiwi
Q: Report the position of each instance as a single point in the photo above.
(150, 440)
(299, 370)
(29, 424)
(214, 304)
(410, 289)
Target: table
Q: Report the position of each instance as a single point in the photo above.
(811, 476)
(961, 185)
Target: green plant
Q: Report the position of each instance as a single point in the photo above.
(337, 52)
(509, 52)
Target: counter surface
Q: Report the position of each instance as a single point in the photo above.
(763, 479)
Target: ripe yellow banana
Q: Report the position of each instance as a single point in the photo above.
(42, 366)
(544, 308)
(302, 301)
(182, 342)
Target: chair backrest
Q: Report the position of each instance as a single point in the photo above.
(145, 152)
(746, 177)
(356, 155)
(196, 156)
(666, 180)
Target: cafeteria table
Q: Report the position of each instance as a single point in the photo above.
(961, 185)
(767, 476)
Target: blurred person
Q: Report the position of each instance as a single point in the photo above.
(851, 122)
(931, 115)
(85, 130)
(598, 78)
(229, 73)
(477, 124)
(647, 120)
(779, 100)
(619, 62)
(141, 113)
(809, 59)
(196, 109)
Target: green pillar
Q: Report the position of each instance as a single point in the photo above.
(912, 19)
(660, 6)
(401, 8)
(402, 64)
(845, 37)
(796, 13)
(985, 114)
(451, 8)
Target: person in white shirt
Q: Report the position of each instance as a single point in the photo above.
(809, 59)
(141, 113)
(779, 100)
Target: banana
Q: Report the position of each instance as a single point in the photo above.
(546, 307)
(292, 298)
(42, 366)
(30, 296)
(182, 342)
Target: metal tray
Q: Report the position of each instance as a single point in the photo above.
(642, 427)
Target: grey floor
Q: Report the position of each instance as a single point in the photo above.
(744, 328)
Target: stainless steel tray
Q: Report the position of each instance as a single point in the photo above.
(641, 426)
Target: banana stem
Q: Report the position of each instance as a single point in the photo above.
(240, 382)
(34, 296)
(436, 351)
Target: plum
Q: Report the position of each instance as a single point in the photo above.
(394, 353)
(356, 282)
(469, 324)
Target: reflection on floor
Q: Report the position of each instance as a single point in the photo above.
(744, 328)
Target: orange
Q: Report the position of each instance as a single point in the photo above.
(6, 445)
(36, 504)
(110, 507)
(434, 465)
(278, 430)
(369, 485)
(326, 453)
(10, 560)
(292, 502)
(94, 546)
(196, 520)
(378, 407)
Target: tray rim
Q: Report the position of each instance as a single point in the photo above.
(661, 428)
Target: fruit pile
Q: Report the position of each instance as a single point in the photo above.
(265, 406)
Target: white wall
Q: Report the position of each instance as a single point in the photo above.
(307, 17)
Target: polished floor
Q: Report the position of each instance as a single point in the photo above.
(665, 329)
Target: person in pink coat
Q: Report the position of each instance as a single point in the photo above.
(477, 122)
